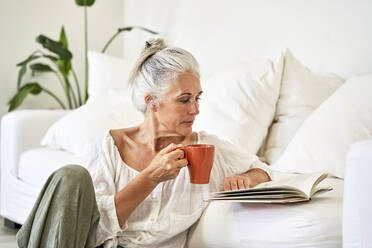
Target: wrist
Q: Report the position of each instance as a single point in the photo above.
(146, 177)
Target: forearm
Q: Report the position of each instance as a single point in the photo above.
(257, 176)
(131, 196)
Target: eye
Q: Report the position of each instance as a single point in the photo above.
(197, 99)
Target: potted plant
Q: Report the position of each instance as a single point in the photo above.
(56, 58)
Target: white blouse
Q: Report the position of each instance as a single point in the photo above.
(163, 218)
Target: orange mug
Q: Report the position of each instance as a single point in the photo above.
(200, 158)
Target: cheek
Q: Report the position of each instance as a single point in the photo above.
(170, 113)
(173, 114)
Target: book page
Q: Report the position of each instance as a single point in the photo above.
(299, 185)
(269, 200)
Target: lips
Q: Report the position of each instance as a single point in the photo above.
(188, 122)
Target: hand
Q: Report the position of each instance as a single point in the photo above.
(237, 182)
(167, 164)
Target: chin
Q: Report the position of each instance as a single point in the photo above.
(185, 131)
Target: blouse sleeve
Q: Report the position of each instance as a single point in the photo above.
(230, 160)
(101, 164)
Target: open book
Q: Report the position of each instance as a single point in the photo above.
(285, 188)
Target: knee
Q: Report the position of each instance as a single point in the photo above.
(74, 175)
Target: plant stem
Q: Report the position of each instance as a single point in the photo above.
(66, 89)
(129, 28)
(77, 85)
(72, 92)
(55, 97)
(86, 53)
(59, 78)
(109, 42)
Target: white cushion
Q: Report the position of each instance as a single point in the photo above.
(106, 73)
(36, 165)
(83, 125)
(324, 138)
(317, 223)
(109, 106)
(302, 91)
(238, 104)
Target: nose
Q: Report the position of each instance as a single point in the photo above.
(194, 108)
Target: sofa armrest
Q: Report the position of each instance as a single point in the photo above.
(357, 214)
(23, 130)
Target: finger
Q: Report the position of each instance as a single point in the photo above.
(241, 183)
(169, 148)
(226, 184)
(233, 184)
(176, 154)
(181, 163)
(247, 182)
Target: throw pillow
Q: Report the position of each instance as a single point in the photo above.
(84, 124)
(323, 140)
(302, 91)
(106, 73)
(238, 104)
(109, 106)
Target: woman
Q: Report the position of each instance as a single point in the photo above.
(142, 188)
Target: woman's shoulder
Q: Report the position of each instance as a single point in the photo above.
(104, 145)
(119, 137)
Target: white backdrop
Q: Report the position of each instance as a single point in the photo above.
(327, 36)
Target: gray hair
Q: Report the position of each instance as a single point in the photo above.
(158, 65)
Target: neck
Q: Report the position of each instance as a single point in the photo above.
(157, 135)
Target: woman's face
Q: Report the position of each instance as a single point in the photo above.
(177, 110)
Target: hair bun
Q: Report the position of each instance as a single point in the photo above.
(154, 45)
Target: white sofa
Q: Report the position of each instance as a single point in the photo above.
(21, 177)
(25, 166)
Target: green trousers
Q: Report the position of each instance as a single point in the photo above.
(65, 213)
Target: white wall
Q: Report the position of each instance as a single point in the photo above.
(328, 36)
(156, 15)
(22, 20)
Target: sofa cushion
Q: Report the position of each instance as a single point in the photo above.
(106, 73)
(323, 140)
(238, 104)
(317, 223)
(109, 106)
(301, 92)
(83, 125)
(36, 165)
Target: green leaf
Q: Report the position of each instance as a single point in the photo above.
(21, 73)
(52, 58)
(64, 66)
(33, 88)
(30, 58)
(87, 3)
(63, 38)
(23, 68)
(56, 47)
(39, 67)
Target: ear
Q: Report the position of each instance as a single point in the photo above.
(150, 102)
